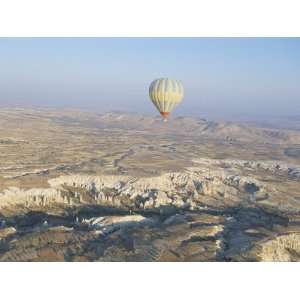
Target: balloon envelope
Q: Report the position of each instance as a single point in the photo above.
(165, 94)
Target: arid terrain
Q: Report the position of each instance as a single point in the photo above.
(83, 186)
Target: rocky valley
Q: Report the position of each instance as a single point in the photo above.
(82, 186)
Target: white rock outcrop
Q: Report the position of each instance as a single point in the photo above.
(181, 190)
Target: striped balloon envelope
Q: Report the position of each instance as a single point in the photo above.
(166, 94)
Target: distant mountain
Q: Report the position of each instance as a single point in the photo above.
(197, 127)
(187, 126)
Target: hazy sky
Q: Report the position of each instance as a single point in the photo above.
(220, 75)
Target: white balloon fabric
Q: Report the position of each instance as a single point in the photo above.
(165, 94)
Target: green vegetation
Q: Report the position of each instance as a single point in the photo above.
(7, 142)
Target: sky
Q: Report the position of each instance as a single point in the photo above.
(221, 76)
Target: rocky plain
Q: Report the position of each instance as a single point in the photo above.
(83, 186)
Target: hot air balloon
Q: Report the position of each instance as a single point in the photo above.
(165, 94)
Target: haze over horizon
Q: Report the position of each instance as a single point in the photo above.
(221, 76)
